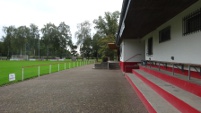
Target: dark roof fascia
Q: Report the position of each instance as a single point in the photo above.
(124, 11)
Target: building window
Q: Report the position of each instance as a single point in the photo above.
(150, 46)
(164, 34)
(192, 22)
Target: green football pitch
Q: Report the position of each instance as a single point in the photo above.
(29, 69)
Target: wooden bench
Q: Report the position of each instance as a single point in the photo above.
(176, 65)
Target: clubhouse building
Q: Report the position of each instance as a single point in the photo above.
(164, 31)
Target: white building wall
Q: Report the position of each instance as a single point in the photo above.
(186, 49)
(131, 48)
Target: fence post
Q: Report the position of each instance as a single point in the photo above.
(68, 65)
(50, 69)
(64, 66)
(22, 73)
(58, 67)
(38, 71)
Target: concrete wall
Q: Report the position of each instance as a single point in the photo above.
(132, 50)
(186, 49)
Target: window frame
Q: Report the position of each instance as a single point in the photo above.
(150, 46)
(165, 34)
(192, 22)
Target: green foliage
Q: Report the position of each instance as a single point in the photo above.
(84, 39)
(9, 41)
(107, 27)
(83, 32)
(86, 48)
(21, 40)
(26, 40)
(96, 45)
(56, 39)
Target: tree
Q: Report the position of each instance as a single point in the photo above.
(55, 39)
(2, 52)
(73, 48)
(86, 48)
(48, 39)
(95, 45)
(107, 27)
(64, 37)
(22, 37)
(26, 40)
(8, 39)
(34, 40)
(84, 38)
(84, 31)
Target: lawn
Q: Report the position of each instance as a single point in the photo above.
(33, 68)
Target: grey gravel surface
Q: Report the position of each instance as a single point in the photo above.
(78, 90)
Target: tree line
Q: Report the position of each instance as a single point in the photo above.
(56, 41)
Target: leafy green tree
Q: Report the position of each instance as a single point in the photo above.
(72, 48)
(95, 45)
(21, 40)
(86, 48)
(8, 40)
(64, 37)
(2, 52)
(22, 37)
(34, 40)
(83, 34)
(107, 26)
(55, 39)
(48, 39)
(26, 40)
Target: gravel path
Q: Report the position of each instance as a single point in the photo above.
(78, 90)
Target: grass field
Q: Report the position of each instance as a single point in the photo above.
(33, 69)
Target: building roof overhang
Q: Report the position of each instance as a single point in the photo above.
(140, 17)
(112, 46)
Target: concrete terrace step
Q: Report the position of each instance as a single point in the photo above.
(153, 102)
(177, 75)
(187, 85)
(181, 99)
(184, 72)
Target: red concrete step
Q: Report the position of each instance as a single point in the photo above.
(153, 102)
(184, 101)
(183, 84)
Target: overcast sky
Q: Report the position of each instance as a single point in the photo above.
(40, 12)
